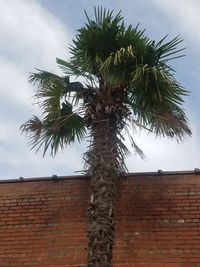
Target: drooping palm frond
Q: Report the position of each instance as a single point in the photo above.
(59, 125)
(137, 150)
(34, 126)
(54, 134)
(172, 125)
(169, 121)
(158, 105)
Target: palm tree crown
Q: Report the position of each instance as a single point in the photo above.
(130, 69)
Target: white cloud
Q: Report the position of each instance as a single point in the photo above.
(30, 37)
(30, 33)
(184, 14)
(13, 84)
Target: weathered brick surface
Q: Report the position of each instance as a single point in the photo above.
(43, 223)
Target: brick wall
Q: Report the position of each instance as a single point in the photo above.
(42, 222)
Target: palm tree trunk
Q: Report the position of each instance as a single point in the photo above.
(105, 173)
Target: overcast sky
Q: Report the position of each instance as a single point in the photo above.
(35, 32)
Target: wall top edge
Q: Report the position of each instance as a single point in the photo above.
(158, 173)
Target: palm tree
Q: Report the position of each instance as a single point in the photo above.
(116, 76)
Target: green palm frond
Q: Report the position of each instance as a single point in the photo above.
(68, 68)
(43, 78)
(103, 41)
(54, 134)
(60, 125)
(52, 89)
(168, 51)
(154, 91)
(96, 40)
(169, 121)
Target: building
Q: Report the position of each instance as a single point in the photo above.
(43, 221)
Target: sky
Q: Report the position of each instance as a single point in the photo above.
(35, 32)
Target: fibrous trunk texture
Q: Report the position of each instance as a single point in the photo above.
(105, 173)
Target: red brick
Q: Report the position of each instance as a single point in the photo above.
(43, 223)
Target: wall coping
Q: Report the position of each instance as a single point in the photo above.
(159, 173)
